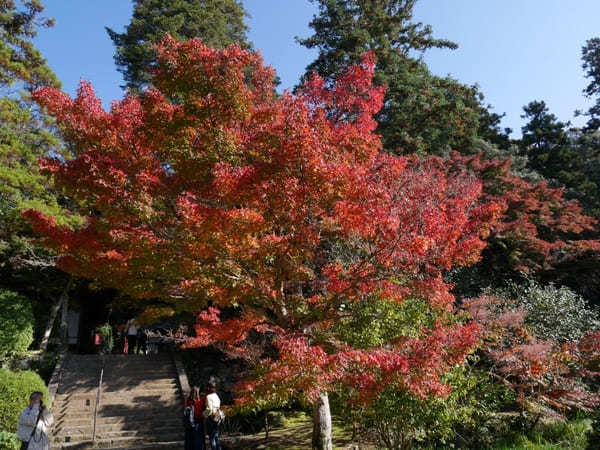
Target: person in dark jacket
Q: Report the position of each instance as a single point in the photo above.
(194, 420)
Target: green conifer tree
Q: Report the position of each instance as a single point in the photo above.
(217, 22)
(19, 59)
(422, 113)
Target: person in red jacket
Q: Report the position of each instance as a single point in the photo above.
(194, 432)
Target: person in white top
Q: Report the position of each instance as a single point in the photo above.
(131, 331)
(34, 424)
(214, 416)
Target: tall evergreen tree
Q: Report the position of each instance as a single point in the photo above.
(591, 66)
(422, 113)
(561, 155)
(26, 136)
(19, 59)
(218, 23)
(544, 138)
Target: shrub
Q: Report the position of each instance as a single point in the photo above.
(466, 417)
(16, 324)
(9, 441)
(15, 389)
(554, 313)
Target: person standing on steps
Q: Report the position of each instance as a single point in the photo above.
(34, 424)
(214, 416)
(194, 420)
(131, 332)
(142, 339)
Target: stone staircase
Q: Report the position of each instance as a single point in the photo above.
(139, 407)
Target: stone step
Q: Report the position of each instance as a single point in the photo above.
(120, 356)
(140, 405)
(80, 393)
(126, 401)
(85, 392)
(110, 391)
(123, 425)
(174, 445)
(136, 378)
(177, 445)
(164, 414)
(122, 440)
(137, 369)
(149, 410)
(153, 431)
(156, 384)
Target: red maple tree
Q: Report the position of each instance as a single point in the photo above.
(539, 230)
(212, 191)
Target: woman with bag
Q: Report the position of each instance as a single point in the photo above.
(34, 424)
(194, 420)
(214, 416)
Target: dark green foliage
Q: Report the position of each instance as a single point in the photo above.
(15, 389)
(19, 59)
(346, 29)
(422, 113)
(545, 142)
(217, 22)
(467, 417)
(547, 436)
(490, 129)
(593, 435)
(590, 55)
(16, 324)
(26, 135)
(585, 184)
(25, 266)
(566, 157)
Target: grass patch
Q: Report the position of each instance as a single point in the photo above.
(558, 435)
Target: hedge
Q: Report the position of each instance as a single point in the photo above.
(15, 389)
(9, 441)
(16, 323)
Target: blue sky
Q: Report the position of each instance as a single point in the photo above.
(516, 50)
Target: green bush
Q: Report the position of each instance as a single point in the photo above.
(467, 417)
(15, 389)
(9, 441)
(16, 324)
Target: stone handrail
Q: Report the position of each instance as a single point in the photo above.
(56, 376)
(181, 375)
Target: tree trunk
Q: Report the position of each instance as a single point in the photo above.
(53, 313)
(321, 436)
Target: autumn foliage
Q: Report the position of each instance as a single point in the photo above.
(547, 377)
(211, 192)
(539, 229)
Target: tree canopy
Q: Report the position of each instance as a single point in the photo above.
(422, 113)
(19, 59)
(217, 22)
(211, 191)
